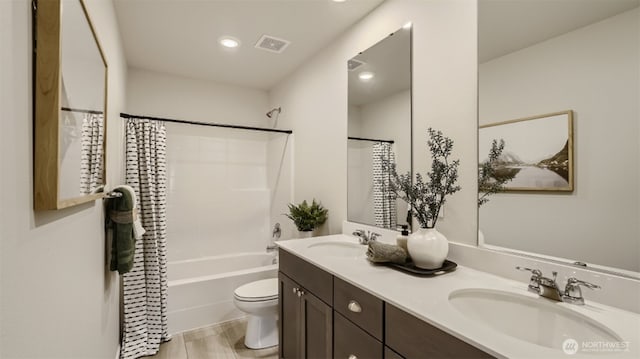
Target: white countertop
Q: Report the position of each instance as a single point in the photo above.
(428, 299)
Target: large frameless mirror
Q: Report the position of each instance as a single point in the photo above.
(70, 106)
(379, 129)
(559, 84)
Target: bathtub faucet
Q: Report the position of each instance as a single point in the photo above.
(276, 231)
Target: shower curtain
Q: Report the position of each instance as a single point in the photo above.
(384, 201)
(145, 286)
(91, 152)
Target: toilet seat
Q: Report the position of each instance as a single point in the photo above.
(258, 291)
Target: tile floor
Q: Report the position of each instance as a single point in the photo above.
(220, 341)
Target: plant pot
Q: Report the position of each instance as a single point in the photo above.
(305, 234)
(428, 248)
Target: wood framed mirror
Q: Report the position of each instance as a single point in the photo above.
(70, 94)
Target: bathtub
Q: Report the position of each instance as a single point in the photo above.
(201, 290)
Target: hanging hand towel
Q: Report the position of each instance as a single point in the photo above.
(138, 230)
(120, 219)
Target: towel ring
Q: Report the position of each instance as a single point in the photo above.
(113, 194)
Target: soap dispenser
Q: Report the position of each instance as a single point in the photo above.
(402, 238)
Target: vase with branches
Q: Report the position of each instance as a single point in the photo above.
(426, 196)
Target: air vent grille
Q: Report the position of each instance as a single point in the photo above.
(272, 44)
(354, 64)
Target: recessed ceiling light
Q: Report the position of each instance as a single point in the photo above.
(339, 0)
(230, 42)
(407, 25)
(365, 75)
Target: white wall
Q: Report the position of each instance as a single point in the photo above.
(387, 119)
(222, 188)
(360, 183)
(314, 99)
(595, 72)
(169, 96)
(58, 298)
(227, 187)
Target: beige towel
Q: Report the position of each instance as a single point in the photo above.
(381, 253)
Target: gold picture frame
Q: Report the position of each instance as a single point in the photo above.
(538, 152)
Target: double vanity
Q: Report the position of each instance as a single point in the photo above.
(335, 303)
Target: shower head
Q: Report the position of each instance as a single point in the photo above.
(275, 110)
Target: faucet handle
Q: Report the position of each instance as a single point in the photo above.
(573, 293)
(536, 272)
(534, 281)
(577, 282)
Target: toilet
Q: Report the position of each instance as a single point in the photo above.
(259, 300)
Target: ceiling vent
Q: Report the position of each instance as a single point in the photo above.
(272, 44)
(354, 64)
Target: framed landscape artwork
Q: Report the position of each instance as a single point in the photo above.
(538, 152)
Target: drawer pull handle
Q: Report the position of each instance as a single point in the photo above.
(300, 293)
(295, 290)
(353, 356)
(356, 308)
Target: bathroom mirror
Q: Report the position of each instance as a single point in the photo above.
(379, 127)
(70, 94)
(580, 58)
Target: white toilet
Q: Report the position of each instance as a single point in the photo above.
(259, 300)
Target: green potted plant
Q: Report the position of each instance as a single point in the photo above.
(307, 217)
(428, 248)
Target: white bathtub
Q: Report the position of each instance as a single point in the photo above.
(201, 290)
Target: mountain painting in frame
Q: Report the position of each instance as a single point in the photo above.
(538, 151)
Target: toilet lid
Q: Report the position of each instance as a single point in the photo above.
(260, 290)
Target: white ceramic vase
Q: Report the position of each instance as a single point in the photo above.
(428, 248)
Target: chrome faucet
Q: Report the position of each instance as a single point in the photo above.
(275, 235)
(548, 287)
(365, 237)
(573, 293)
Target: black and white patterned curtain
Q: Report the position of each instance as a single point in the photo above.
(145, 286)
(91, 152)
(384, 201)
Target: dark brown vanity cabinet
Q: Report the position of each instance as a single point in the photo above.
(322, 316)
(415, 338)
(306, 320)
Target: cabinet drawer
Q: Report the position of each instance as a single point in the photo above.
(390, 354)
(360, 307)
(312, 278)
(414, 338)
(351, 342)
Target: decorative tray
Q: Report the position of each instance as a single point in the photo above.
(410, 267)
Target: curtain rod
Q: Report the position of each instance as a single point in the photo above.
(126, 115)
(81, 110)
(369, 139)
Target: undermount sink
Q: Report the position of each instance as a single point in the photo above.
(338, 249)
(534, 320)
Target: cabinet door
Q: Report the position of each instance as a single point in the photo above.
(290, 318)
(351, 342)
(317, 328)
